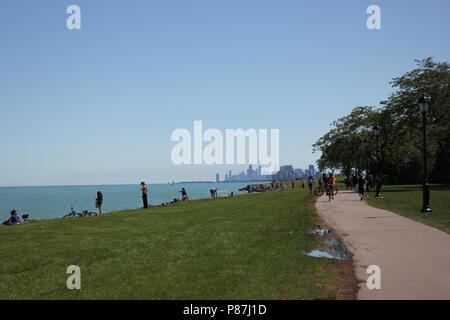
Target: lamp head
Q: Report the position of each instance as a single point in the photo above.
(424, 104)
(377, 131)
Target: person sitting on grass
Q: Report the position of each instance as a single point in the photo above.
(25, 218)
(13, 219)
(7, 222)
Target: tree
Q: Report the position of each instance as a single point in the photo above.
(400, 122)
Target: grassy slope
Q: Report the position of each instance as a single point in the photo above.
(247, 247)
(406, 200)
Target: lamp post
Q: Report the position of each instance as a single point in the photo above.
(377, 132)
(424, 106)
(359, 160)
(366, 147)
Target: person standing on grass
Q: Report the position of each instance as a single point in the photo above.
(144, 194)
(361, 186)
(310, 183)
(184, 195)
(99, 201)
(213, 192)
(293, 184)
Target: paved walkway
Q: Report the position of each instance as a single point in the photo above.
(414, 258)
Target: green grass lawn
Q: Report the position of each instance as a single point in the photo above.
(246, 247)
(406, 200)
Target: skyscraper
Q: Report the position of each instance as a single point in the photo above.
(217, 177)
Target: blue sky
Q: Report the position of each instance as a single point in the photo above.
(98, 105)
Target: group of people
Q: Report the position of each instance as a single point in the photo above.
(266, 187)
(359, 182)
(310, 182)
(184, 196)
(15, 219)
(353, 182)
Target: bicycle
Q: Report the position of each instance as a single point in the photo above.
(74, 214)
(320, 190)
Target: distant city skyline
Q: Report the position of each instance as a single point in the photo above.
(286, 172)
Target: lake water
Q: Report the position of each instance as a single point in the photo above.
(56, 201)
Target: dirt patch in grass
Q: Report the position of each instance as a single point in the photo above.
(347, 283)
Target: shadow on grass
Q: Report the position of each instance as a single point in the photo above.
(392, 188)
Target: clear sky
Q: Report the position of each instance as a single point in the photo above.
(98, 105)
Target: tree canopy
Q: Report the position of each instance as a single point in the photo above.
(351, 144)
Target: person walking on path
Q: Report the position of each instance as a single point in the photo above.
(99, 201)
(362, 186)
(347, 183)
(144, 194)
(354, 183)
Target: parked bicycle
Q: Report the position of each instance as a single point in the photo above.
(74, 214)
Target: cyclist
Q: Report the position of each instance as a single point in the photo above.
(331, 183)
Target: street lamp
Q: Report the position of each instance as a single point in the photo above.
(377, 132)
(366, 147)
(424, 106)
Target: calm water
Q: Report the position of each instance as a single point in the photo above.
(54, 202)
